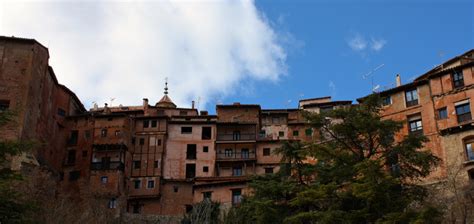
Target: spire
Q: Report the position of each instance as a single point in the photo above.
(166, 86)
(166, 101)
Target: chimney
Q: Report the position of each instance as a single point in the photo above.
(145, 102)
(192, 104)
(106, 109)
(399, 80)
(105, 106)
(96, 107)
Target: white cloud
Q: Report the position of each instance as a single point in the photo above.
(357, 42)
(126, 49)
(377, 44)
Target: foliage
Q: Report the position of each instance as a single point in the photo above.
(205, 212)
(362, 174)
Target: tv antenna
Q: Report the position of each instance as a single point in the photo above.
(112, 100)
(371, 76)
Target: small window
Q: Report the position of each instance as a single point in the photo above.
(153, 123)
(281, 134)
(189, 208)
(205, 169)
(133, 140)
(74, 175)
(469, 147)
(463, 112)
(103, 133)
(159, 142)
(137, 184)
(104, 179)
(191, 151)
(61, 112)
(411, 97)
(155, 164)
(207, 195)
(229, 153)
(308, 132)
(137, 164)
(190, 170)
(146, 123)
(236, 196)
(269, 170)
(237, 171)
(175, 189)
(415, 125)
(206, 133)
(84, 153)
(142, 141)
(186, 130)
(386, 101)
(151, 184)
(71, 157)
(87, 134)
(262, 133)
(266, 151)
(205, 149)
(296, 133)
(113, 203)
(73, 137)
(4, 105)
(442, 113)
(117, 133)
(458, 79)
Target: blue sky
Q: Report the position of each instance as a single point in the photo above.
(268, 52)
(418, 35)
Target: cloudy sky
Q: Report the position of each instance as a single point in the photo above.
(267, 52)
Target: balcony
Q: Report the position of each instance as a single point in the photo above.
(231, 156)
(109, 147)
(107, 166)
(236, 137)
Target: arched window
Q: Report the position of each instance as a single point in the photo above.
(469, 148)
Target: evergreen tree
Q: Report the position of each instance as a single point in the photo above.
(361, 174)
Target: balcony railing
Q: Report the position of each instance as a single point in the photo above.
(236, 156)
(236, 137)
(109, 147)
(107, 166)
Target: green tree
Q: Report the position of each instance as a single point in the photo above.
(12, 206)
(362, 175)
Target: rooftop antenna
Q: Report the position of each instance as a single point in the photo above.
(112, 100)
(371, 75)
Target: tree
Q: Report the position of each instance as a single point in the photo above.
(13, 207)
(362, 175)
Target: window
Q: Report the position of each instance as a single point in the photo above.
(266, 151)
(207, 195)
(411, 97)
(470, 173)
(205, 149)
(137, 164)
(155, 164)
(74, 175)
(190, 170)
(236, 196)
(205, 169)
(269, 170)
(87, 134)
(206, 133)
(463, 111)
(153, 123)
(4, 105)
(296, 133)
(103, 133)
(308, 132)
(113, 203)
(262, 133)
(228, 152)
(142, 141)
(133, 140)
(104, 179)
(442, 113)
(146, 123)
(386, 100)
(236, 136)
(137, 184)
(275, 120)
(470, 150)
(191, 151)
(84, 153)
(458, 79)
(136, 208)
(237, 171)
(117, 133)
(152, 141)
(73, 137)
(415, 126)
(186, 130)
(189, 208)
(281, 134)
(61, 112)
(151, 184)
(244, 153)
(71, 157)
(175, 189)
(159, 141)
